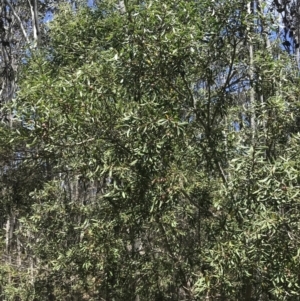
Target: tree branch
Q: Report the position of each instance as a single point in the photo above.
(19, 20)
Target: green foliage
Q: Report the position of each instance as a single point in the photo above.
(134, 180)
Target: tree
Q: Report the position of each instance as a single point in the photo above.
(151, 181)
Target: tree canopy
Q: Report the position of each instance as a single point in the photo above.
(154, 155)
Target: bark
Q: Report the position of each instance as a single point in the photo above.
(250, 10)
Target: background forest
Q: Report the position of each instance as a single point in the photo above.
(150, 150)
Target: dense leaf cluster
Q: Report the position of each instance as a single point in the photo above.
(153, 156)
